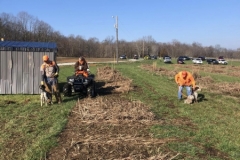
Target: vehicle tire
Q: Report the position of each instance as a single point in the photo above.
(67, 90)
(92, 90)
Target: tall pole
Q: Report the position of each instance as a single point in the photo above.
(143, 49)
(116, 26)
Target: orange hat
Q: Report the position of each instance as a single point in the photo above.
(45, 58)
(184, 73)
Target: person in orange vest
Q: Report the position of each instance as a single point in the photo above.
(184, 79)
(81, 67)
(49, 73)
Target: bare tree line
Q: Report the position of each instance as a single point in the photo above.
(25, 27)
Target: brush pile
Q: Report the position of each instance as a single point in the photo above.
(114, 79)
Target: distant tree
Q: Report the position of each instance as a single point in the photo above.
(163, 52)
(25, 27)
(106, 48)
(138, 46)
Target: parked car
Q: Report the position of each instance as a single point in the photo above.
(203, 58)
(212, 61)
(222, 61)
(123, 56)
(166, 56)
(153, 57)
(185, 58)
(135, 56)
(197, 61)
(167, 59)
(180, 60)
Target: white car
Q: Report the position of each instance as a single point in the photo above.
(167, 60)
(197, 61)
(222, 61)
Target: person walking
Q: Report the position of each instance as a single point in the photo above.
(49, 73)
(184, 79)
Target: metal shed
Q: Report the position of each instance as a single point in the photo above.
(20, 65)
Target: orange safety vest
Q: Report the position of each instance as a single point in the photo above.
(84, 73)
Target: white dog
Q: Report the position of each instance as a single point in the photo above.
(194, 97)
(43, 95)
(189, 99)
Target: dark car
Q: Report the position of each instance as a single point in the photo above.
(135, 56)
(123, 57)
(180, 60)
(203, 58)
(185, 58)
(153, 57)
(212, 61)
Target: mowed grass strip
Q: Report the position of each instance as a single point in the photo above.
(208, 129)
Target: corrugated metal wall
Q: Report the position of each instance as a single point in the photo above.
(20, 71)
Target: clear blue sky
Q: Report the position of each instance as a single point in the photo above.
(208, 22)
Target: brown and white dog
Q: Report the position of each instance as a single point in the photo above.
(195, 93)
(194, 97)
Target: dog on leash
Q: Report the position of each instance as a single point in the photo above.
(43, 95)
(193, 98)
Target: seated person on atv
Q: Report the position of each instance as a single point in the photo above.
(81, 67)
(82, 81)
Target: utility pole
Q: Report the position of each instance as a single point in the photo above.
(143, 49)
(116, 26)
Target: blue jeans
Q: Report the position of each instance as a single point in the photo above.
(51, 81)
(52, 86)
(188, 88)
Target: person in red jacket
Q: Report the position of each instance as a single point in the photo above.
(184, 79)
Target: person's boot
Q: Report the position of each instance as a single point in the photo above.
(49, 101)
(49, 98)
(58, 98)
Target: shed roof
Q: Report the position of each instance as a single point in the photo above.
(12, 45)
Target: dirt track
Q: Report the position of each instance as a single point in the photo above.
(110, 127)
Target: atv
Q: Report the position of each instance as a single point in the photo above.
(80, 84)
